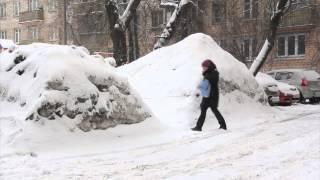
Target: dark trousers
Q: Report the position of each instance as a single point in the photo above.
(205, 104)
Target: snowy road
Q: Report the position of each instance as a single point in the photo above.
(287, 148)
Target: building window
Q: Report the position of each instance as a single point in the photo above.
(52, 34)
(2, 9)
(3, 35)
(17, 33)
(218, 11)
(52, 5)
(251, 8)
(248, 48)
(16, 7)
(157, 18)
(291, 45)
(34, 33)
(299, 4)
(281, 46)
(33, 5)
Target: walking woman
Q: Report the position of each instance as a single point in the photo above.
(209, 91)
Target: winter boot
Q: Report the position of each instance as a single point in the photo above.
(196, 129)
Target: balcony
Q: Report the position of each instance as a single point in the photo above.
(36, 15)
(300, 17)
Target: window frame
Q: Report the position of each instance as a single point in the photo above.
(250, 9)
(288, 47)
(16, 7)
(53, 33)
(34, 32)
(17, 35)
(52, 5)
(3, 34)
(3, 9)
(157, 18)
(33, 5)
(220, 16)
(251, 49)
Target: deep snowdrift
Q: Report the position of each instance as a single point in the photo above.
(54, 82)
(167, 79)
(66, 80)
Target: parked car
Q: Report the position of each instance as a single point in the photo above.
(278, 93)
(307, 81)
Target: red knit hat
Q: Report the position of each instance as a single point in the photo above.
(206, 63)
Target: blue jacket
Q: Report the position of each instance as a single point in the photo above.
(204, 88)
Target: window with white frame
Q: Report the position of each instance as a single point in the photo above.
(250, 8)
(33, 5)
(52, 33)
(157, 18)
(248, 48)
(34, 33)
(3, 35)
(16, 7)
(52, 5)
(291, 45)
(17, 34)
(2, 9)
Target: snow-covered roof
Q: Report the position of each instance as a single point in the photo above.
(6, 43)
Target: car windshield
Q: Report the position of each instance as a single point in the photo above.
(283, 75)
(311, 75)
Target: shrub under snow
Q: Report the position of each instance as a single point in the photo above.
(52, 81)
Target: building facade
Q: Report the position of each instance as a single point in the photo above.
(27, 21)
(239, 26)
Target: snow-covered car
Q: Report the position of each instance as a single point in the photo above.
(278, 92)
(6, 44)
(307, 82)
(270, 87)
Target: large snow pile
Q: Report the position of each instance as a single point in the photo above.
(167, 79)
(51, 82)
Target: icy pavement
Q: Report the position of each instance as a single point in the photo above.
(287, 148)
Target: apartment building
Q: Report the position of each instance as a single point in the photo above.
(241, 26)
(298, 39)
(27, 21)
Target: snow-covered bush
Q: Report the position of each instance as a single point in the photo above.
(52, 81)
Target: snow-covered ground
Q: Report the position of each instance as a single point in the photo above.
(262, 142)
(287, 148)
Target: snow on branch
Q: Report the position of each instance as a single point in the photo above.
(170, 27)
(128, 13)
(169, 3)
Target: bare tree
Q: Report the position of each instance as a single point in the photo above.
(133, 39)
(282, 7)
(118, 25)
(180, 11)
